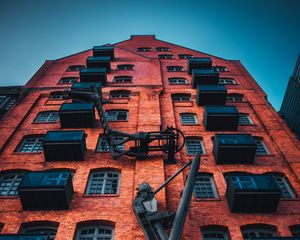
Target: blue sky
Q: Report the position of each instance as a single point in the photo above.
(263, 34)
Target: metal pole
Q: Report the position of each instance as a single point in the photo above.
(160, 230)
(184, 204)
(172, 177)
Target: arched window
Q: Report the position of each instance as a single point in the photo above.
(188, 118)
(284, 185)
(43, 227)
(261, 147)
(181, 97)
(122, 79)
(162, 49)
(144, 49)
(95, 232)
(175, 68)
(165, 56)
(258, 230)
(67, 80)
(125, 67)
(177, 81)
(194, 145)
(185, 56)
(74, 68)
(116, 115)
(47, 117)
(235, 97)
(9, 183)
(204, 186)
(103, 182)
(214, 233)
(31, 144)
(120, 94)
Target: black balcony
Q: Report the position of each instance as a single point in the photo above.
(234, 148)
(84, 87)
(93, 75)
(199, 63)
(46, 190)
(64, 145)
(211, 95)
(204, 77)
(104, 51)
(77, 115)
(24, 237)
(220, 118)
(252, 193)
(98, 62)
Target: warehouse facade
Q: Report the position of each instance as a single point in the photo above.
(58, 176)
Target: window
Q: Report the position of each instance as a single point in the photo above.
(31, 145)
(122, 79)
(261, 148)
(286, 190)
(68, 80)
(47, 117)
(75, 68)
(166, 56)
(185, 56)
(126, 67)
(295, 230)
(177, 81)
(244, 182)
(55, 178)
(58, 96)
(95, 233)
(120, 94)
(117, 115)
(41, 229)
(162, 49)
(194, 145)
(103, 182)
(220, 68)
(188, 118)
(175, 68)
(103, 145)
(245, 119)
(235, 98)
(250, 232)
(9, 183)
(181, 97)
(227, 81)
(204, 186)
(214, 233)
(144, 49)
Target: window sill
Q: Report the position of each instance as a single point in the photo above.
(207, 199)
(118, 121)
(202, 155)
(196, 124)
(44, 122)
(9, 197)
(100, 195)
(23, 153)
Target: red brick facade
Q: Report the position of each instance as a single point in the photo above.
(149, 107)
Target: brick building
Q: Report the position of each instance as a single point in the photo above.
(248, 183)
(290, 107)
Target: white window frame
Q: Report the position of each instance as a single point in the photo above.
(188, 151)
(35, 145)
(14, 181)
(261, 145)
(177, 81)
(112, 115)
(205, 186)
(181, 97)
(215, 232)
(185, 119)
(104, 179)
(47, 117)
(96, 235)
(227, 81)
(122, 79)
(245, 119)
